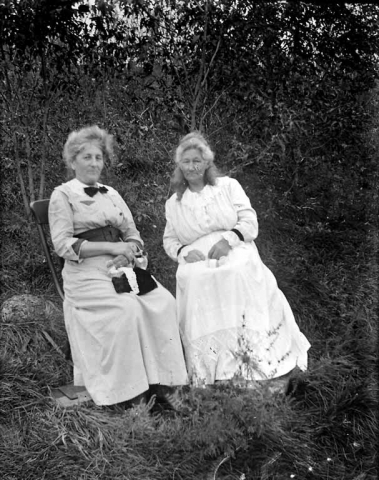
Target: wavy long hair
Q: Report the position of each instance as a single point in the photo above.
(197, 141)
(78, 138)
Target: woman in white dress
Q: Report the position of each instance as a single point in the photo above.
(121, 343)
(234, 321)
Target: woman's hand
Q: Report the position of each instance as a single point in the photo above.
(119, 261)
(126, 250)
(219, 249)
(194, 256)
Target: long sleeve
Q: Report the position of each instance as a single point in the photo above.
(224, 206)
(61, 221)
(247, 223)
(171, 242)
(72, 212)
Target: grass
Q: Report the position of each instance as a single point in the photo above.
(325, 428)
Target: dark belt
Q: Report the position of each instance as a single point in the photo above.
(101, 234)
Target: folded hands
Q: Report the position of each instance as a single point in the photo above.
(219, 249)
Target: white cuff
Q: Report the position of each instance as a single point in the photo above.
(231, 238)
(184, 251)
(80, 259)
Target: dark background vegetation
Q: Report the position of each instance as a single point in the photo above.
(287, 93)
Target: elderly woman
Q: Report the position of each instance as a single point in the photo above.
(121, 343)
(234, 321)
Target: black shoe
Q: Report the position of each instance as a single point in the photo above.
(136, 401)
(164, 397)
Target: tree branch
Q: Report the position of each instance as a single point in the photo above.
(20, 177)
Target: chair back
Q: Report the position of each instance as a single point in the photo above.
(40, 209)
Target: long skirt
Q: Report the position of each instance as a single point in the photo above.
(120, 343)
(234, 320)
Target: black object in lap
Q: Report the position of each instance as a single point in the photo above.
(145, 281)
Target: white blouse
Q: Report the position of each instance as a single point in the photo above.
(221, 207)
(72, 211)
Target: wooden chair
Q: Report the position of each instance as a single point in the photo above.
(40, 209)
(66, 395)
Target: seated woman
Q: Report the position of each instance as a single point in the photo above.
(234, 320)
(121, 343)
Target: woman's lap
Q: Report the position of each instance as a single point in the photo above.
(234, 309)
(121, 343)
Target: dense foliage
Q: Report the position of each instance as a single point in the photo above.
(285, 85)
(287, 93)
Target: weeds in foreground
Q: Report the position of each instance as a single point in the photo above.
(324, 429)
(317, 428)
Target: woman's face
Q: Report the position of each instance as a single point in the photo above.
(88, 163)
(193, 166)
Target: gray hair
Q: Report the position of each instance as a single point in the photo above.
(197, 141)
(77, 139)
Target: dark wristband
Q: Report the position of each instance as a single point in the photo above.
(238, 233)
(180, 249)
(76, 246)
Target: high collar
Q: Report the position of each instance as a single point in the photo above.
(78, 187)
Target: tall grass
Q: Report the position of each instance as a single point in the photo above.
(324, 428)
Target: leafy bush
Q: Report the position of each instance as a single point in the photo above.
(286, 94)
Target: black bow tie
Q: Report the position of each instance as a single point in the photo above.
(91, 191)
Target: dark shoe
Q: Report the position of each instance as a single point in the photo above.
(136, 401)
(164, 397)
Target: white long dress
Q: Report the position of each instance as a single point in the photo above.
(120, 343)
(233, 319)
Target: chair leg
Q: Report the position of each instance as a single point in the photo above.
(67, 351)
